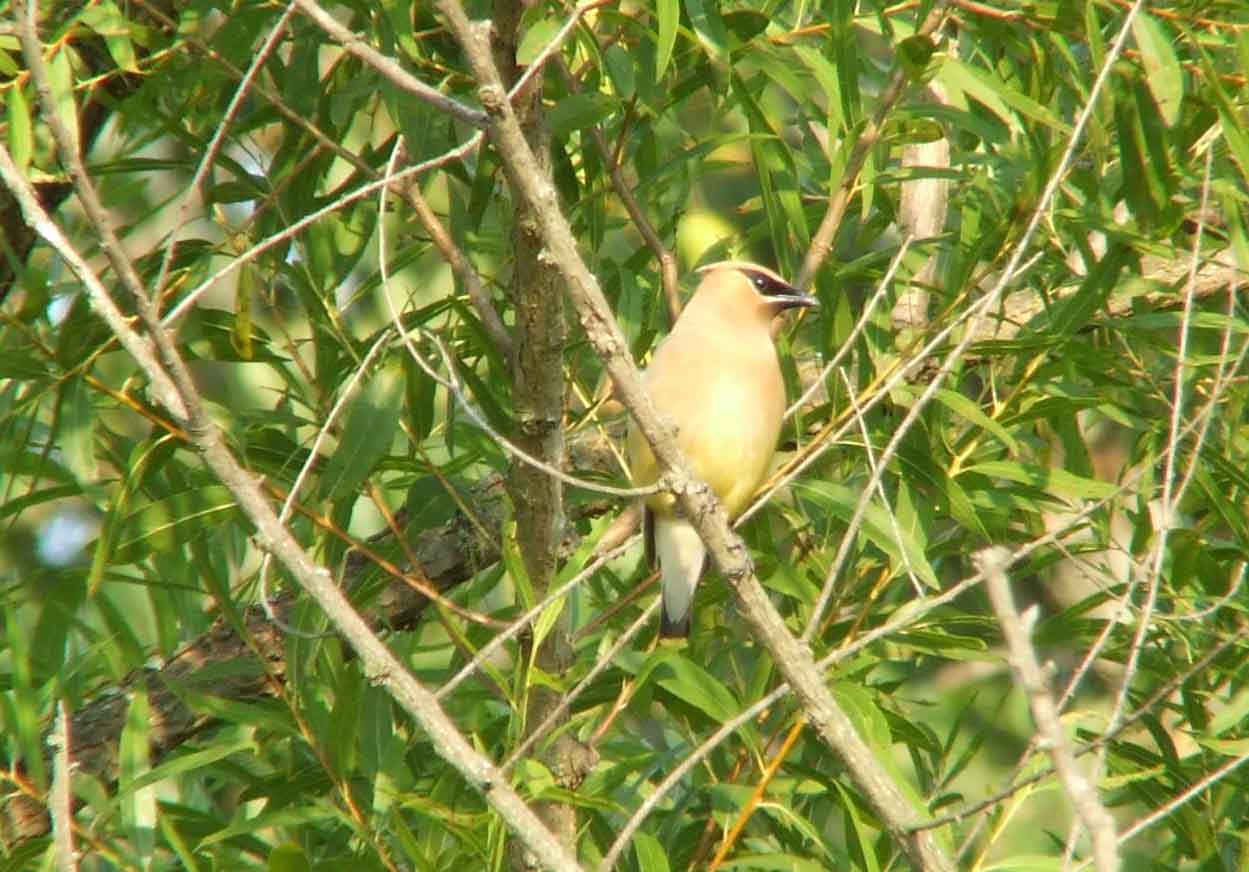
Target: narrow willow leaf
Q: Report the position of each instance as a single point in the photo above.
(860, 836)
(650, 853)
(904, 552)
(1163, 75)
(21, 140)
(668, 13)
(536, 39)
(138, 806)
(369, 427)
(691, 683)
(165, 524)
(579, 111)
(288, 858)
(184, 763)
(61, 80)
(546, 621)
(1058, 482)
(710, 29)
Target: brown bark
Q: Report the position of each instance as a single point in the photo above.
(538, 402)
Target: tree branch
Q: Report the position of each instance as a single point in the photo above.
(1083, 795)
(388, 67)
(378, 662)
(699, 503)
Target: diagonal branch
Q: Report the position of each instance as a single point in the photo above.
(1083, 795)
(699, 503)
(378, 661)
(388, 67)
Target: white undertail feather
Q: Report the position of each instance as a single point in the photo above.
(681, 557)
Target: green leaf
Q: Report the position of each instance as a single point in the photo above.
(1076, 311)
(546, 621)
(21, 139)
(668, 14)
(915, 53)
(368, 429)
(61, 81)
(710, 29)
(579, 111)
(901, 547)
(967, 409)
(165, 524)
(745, 24)
(1163, 75)
(288, 858)
(650, 853)
(620, 67)
(23, 365)
(183, 762)
(997, 96)
(536, 39)
(1052, 480)
(685, 679)
(138, 806)
(860, 836)
(106, 19)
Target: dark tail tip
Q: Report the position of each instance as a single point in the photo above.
(670, 629)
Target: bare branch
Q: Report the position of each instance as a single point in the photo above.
(1083, 795)
(379, 663)
(388, 67)
(60, 803)
(699, 503)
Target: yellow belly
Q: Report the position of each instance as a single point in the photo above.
(728, 439)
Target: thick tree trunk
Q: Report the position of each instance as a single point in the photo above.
(538, 402)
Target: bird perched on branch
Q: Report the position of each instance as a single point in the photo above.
(717, 381)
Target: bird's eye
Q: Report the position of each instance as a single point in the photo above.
(761, 282)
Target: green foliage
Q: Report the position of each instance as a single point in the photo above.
(732, 126)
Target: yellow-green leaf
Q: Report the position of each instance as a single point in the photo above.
(21, 142)
(668, 12)
(1163, 75)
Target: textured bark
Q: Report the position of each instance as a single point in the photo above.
(538, 403)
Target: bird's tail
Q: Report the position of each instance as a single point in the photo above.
(682, 559)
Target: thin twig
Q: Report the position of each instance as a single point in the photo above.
(829, 721)
(464, 271)
(210, 154)
(979, 311)
(882, 288)
(604, 660)
(880, 487)
(822, 241)
(667, 260)
(368, 189)
(524, 620)
(1185, 796)
(388, 67)
(323, 432)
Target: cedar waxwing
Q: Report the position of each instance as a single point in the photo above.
(717, 381)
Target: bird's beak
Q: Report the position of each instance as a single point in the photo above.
(793, 300)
